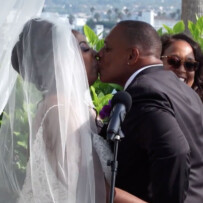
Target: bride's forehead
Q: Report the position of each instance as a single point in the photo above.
(79, 36)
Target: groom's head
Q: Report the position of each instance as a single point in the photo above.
(128, 47)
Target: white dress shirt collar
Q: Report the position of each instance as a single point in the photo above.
(136, 73)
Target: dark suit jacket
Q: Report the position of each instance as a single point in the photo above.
(161, 157)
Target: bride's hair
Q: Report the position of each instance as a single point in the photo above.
(32, 56)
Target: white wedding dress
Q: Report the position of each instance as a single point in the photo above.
(42, 191)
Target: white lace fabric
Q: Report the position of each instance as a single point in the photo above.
(46, 182)
(42, 184)
(42, 194)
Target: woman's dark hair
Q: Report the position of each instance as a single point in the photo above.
(35, 45)
(167, 40)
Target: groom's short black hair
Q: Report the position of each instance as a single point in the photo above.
(142, 34)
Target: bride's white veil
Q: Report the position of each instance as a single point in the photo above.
(13, 15)
(46, 152)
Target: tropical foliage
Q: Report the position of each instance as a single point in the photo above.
(177, 28)
(19, 126)
(195, 29)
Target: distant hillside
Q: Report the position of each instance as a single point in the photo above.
(93, 6)
(116, 2)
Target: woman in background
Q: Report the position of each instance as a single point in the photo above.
(183, 56)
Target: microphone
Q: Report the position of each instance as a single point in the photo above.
(121, 104)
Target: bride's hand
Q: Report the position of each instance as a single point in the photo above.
(121, 196)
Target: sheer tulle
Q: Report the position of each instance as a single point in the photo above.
(46, 152)
(13, 15)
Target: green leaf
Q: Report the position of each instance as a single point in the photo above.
(16, 133)
(22, 144)
(94, 96)
(101, 94)
(168, 29)
(91, 36)
(99, 44)
(115, 86)
(103, 101)
(179, 27)
(6, 115)
(191, 27)
(160, 31)
(199, 22)
(200, 41)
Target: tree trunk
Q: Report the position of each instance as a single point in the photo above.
(191, 9)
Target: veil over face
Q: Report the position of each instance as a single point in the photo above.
(46, 150)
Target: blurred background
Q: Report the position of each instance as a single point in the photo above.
(102, 15)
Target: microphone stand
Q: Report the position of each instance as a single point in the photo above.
(114, 164)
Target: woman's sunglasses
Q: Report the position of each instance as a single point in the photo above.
(176, 62)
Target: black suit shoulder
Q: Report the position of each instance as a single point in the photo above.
(159, 84)
(160, 137)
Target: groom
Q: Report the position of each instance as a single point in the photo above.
(160, 159)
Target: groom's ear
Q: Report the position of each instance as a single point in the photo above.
(133, 56)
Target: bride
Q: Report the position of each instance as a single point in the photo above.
(62, 164)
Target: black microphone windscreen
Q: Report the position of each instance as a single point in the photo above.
(122, 97)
